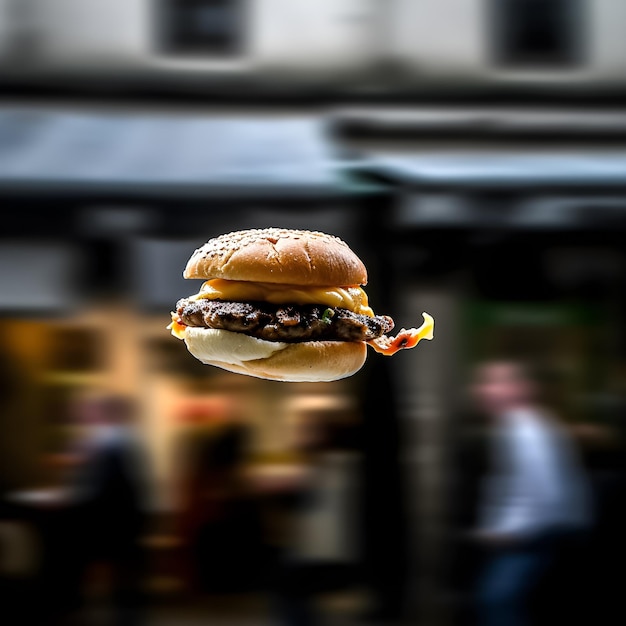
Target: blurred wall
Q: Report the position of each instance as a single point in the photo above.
(427, 38)
(79, 31)
(607, 45)
(434, 36)
(276, 34)
(326, 34)
(5, 26)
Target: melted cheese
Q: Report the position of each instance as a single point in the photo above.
(351, 297)
(177, 327)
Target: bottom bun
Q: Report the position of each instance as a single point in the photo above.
(309, 361)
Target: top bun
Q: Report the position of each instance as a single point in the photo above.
(278, 255)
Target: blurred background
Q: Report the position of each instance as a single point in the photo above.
(472, 152)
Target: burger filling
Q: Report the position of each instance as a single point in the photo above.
(288, 323)
(290, 313)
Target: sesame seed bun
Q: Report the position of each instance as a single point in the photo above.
(278, 255)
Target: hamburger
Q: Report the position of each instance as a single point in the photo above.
(284, 305)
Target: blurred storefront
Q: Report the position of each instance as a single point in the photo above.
(515, 251)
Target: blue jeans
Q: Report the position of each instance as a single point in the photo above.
(509, 578)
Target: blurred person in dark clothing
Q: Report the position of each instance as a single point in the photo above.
(533, 498)
(108, 502)
(219, 520)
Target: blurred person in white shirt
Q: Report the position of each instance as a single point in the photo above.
(534, 496)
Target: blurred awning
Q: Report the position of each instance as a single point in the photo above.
(48, 150)
(535, 210)
(523, 189)
(480, 122)
(504, 169)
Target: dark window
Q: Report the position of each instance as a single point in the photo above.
(210, 27)
(537, 33)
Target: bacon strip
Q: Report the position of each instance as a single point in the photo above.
(405, 338)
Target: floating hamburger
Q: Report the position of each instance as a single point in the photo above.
(284, 305)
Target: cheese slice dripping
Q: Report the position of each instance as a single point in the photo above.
(405, 338)
(177, 327)
(350, 297)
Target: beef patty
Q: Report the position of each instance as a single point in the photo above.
(289, 323)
